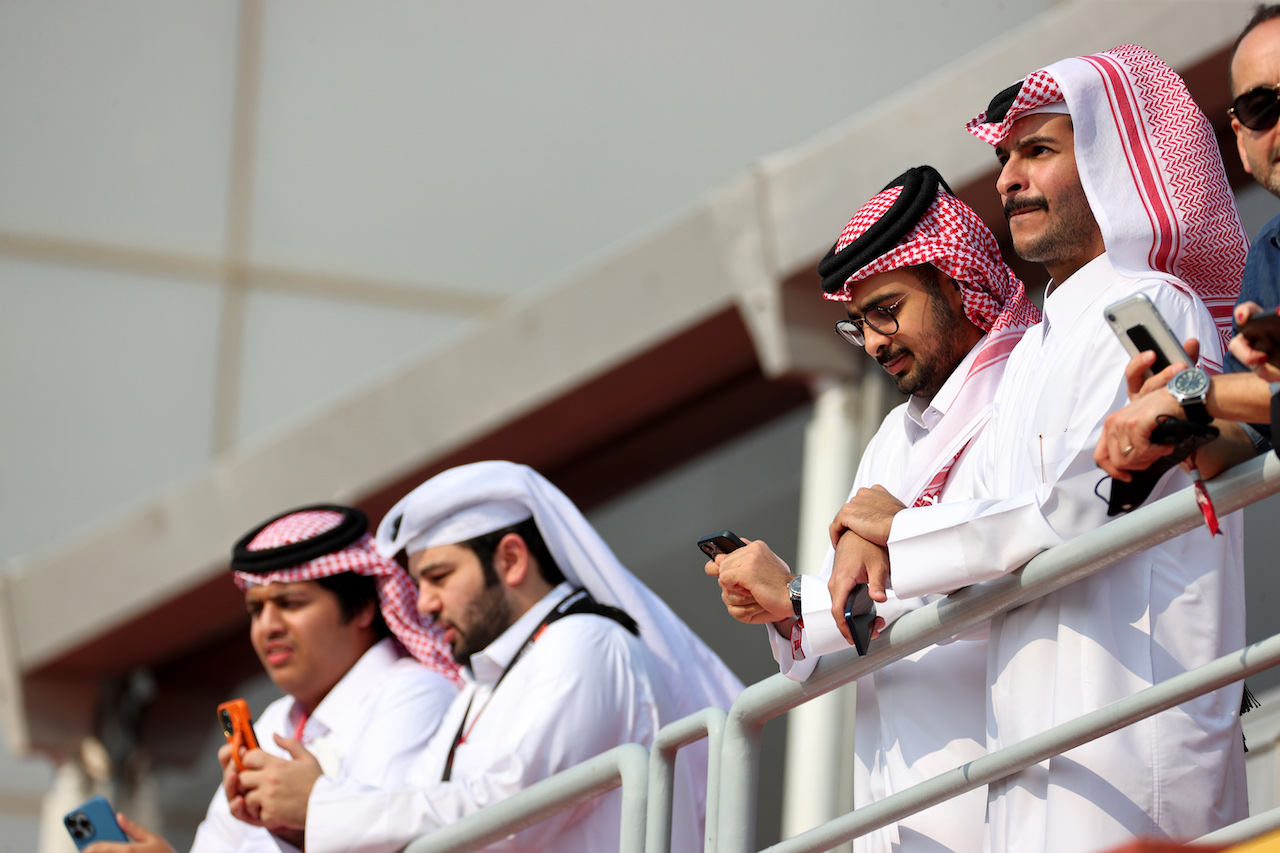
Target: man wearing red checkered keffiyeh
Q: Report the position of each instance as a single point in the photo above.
(930, 298)
(366, 682)
(337, 629)
(1110, 176)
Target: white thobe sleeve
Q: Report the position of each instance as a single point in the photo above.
(815, 609)
(575, 694)
(942, 548)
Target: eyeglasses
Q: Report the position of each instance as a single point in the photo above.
(1258, 108)
(885, 321)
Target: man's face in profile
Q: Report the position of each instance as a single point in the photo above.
(932, 334)
(468, 607)
(1049, 216)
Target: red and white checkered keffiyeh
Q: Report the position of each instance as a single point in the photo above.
(1150, 167)
(397, 596)
(955, 240)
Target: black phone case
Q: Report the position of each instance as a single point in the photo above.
(860, 616)
(720, 542)
(1186, 436)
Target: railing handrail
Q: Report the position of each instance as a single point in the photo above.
(626, 766)
(1004, 762)
(646, 777)
(707, 723)
(1048, 571)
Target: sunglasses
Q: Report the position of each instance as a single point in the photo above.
(1258, 108)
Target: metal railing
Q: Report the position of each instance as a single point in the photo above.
(625, 766)
(734, 739)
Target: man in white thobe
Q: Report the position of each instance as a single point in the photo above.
(933, 302)
(566, 654)
(1111, 178)
(333, 623)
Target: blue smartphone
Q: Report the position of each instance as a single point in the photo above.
(93, 820)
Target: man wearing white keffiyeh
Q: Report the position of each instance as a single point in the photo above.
(565, 655)
(1111, 177)
(929, 298)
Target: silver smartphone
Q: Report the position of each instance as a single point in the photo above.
(1140, 327)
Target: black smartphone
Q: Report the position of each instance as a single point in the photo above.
(1140, 327)
(93, 820)
(1263, 332)
(721, 542)
(860, 616)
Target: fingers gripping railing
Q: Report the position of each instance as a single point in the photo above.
(625, 766)
(1047, 572)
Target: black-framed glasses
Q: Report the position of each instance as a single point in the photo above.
(1258, 108)
(883, 319)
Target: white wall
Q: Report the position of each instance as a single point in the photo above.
(434, 148)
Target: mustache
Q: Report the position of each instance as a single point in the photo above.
(890, 354)
(1016, 205)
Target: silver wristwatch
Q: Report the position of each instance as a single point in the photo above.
(1190, 388)
(793, 589)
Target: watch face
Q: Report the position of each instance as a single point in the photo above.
(1191, 383)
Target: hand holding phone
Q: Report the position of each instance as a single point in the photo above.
(91, 821)
(1140, 328)
(1262, 331)
(238, 727)
(721, 542)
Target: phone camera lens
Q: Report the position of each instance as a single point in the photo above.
(227, 727)
(79, 826)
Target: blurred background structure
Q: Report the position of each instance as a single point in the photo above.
(263, 253)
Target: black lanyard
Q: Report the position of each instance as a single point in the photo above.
(578, 601)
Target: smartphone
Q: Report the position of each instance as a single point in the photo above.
(714, 544)
(1140, 327)
(1263, 333)
(93, 820)
(860, 616)
(238, 727)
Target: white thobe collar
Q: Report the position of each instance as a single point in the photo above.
(923, 415)
(488, 664)
(341, 707)
(1064, 305)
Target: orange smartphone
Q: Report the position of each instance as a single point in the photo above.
(236, 725)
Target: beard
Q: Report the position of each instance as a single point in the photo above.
(1071, 228)
(486, 618)
(933, 363)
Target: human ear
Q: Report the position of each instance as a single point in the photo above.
(364, 618)
(1240, 149)
(511, 559)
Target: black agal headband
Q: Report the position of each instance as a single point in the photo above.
(999, 106)
(919, 189)
(353, 525)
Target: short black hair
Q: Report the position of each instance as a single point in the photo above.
(1262, 13)
(486, 546)
(355, 593)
